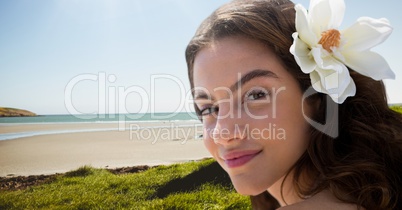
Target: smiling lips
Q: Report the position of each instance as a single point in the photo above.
(239, 158)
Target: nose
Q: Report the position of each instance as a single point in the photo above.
(229, 126)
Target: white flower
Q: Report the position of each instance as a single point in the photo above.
(323, 51)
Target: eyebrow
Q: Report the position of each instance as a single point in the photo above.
(250, 76)
(243, 80)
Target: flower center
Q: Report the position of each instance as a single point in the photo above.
(330, 38)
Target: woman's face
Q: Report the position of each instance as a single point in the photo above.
(252, 112)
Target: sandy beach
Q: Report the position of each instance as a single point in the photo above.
(111, 145)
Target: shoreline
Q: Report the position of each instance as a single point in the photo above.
(35, 126)
(16, 131)
(59, 153)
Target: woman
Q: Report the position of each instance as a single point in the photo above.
(294, 111)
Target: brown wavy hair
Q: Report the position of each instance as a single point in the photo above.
(363, 165)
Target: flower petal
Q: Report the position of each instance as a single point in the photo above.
(303, 26)
(316, 82)
(370, 64)
(301, 52)
(325, 61)
(366, 33)
(347, 86)
(349, 91)
(326, 14)
(333, 75)
(333, 80)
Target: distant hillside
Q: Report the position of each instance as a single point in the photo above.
(11, 112)
(397, 108)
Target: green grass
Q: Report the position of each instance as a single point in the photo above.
(180, 186)
(397, 108)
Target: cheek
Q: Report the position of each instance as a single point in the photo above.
(209, 142)
(296, 131)
(290, 120)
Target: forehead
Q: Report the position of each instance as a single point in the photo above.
(221, 63)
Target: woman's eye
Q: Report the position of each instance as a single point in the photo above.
(208, 110)
(256, 94)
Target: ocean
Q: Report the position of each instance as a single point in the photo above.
(98, 118)
(95, 118)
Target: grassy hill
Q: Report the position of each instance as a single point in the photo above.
(12, 112)
(397, 108)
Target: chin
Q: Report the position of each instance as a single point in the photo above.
(247, 188)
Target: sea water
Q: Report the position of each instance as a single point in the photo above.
(95, 118)
(87, 118)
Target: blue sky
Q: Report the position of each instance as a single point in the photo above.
(93, 56)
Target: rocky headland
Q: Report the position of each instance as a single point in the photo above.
(12, 112)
